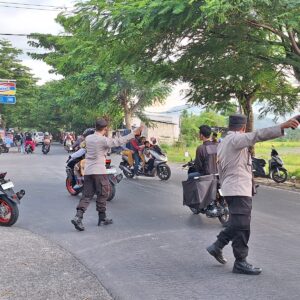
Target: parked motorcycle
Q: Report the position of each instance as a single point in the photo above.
(276, 171)
(9, 201)
(161, 169)
(111, 171)
(217, 208)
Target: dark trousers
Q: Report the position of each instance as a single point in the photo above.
(94, 184)
(238, 229)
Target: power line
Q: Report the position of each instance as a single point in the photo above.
(31, 8)
(27, 4)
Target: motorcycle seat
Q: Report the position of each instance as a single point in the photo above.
(259, 161)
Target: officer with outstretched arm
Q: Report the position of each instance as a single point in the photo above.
(235, 170)
(95, 177)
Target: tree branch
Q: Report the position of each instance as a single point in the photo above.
(294, 43)
(268, 27)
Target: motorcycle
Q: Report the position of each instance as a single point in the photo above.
(69, 148)
(46, 148)
(9, 201)
(276, 171)
(3, 148)
(111, 171)
(217, 208)
(28, 149)
(161, 169)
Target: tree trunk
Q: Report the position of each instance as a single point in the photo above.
(128, 117)
(248, 111)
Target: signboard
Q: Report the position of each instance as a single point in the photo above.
(7, 99)
(7, 88)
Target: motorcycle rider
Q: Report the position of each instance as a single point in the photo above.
(235, 170)
(148, 157)
(95, 179)
(29, 141)
(134, 145)
(46, 141)
(206, 154)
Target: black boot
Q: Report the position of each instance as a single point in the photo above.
(103, 220)
(77, 221)
(216, 251)
(243, 267)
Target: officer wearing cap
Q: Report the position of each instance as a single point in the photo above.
(95, 178)
(235, 170)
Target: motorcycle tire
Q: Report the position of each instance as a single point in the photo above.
(279, 178)
(12, 208)
(163, 172)
(6, 150)
(112, 192)
(128, 175)
(195, 211)
(70, 189)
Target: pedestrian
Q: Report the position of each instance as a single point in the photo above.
(23, 143)
(95, 179)
(235, 170)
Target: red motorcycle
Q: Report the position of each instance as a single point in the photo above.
(9, 201)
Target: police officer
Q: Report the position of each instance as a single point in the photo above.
(235, 170)
(95, 178)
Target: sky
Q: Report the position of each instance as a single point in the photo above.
(16, 21)
(25, 21)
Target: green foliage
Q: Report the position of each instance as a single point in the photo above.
(190, 125)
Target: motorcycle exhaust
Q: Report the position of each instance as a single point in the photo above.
(123, 168)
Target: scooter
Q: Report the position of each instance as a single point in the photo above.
(111, 171)
(276, 171)
(46, 148)
(9, 201)
(216, 208)
(3, 148)
(161, 169)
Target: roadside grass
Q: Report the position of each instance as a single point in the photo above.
(288, 151)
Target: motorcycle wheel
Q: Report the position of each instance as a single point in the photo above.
(195, 211)
(163, 172)
(6, 150)
(11, 212)
(128, 175)
(112, 192)
(279, 177)
(70, 189)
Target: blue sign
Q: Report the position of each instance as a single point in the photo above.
(7, 99)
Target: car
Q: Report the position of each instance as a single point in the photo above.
(38, 137)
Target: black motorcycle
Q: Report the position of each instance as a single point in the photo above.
(28, 149)
(276, 171)
(9, 201)
(46, 149)
(3, 148)
(215, 208)
(114, 179)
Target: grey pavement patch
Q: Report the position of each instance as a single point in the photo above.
(35, 268)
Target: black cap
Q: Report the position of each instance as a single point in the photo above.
(237, 121)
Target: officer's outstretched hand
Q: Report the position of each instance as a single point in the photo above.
(292, 123)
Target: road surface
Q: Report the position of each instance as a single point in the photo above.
(156, 248)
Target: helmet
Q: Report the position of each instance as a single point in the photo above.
(46, 133)
(88, 131)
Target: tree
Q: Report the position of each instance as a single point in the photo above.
(11, 68)
(185, 41)
(85, 60)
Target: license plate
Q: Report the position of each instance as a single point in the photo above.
(8, 185)
(111, 171)
(220, 192)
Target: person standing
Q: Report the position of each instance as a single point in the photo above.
(95, 179)
(235, 170)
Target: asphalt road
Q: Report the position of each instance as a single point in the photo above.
(156, 248)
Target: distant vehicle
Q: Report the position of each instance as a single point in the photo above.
(38, 138)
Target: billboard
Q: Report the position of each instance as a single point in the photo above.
(7, 88)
